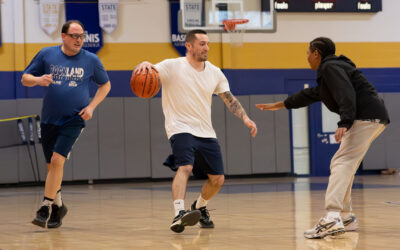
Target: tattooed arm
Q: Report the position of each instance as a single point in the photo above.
(236, 108)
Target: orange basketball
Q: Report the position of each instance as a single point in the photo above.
(145, 85)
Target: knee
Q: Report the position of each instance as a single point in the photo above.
(57, 160)
(217, 180)
(187, 169)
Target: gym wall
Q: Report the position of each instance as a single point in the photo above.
(126, 137)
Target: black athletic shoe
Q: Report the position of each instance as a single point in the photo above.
(42, 216)
(57, 214)
(185, 218)
(205, 221)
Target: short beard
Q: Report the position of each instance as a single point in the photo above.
(203, 58)
(199, 57)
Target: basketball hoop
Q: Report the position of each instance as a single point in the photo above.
(235, 34)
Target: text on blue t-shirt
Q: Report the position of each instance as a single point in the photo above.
(69, 92)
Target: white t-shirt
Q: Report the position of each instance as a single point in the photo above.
(187, 96)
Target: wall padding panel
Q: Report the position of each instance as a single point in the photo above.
(160, 148)
(238, 144)
(85, 153)
(219, 125)
(383, 152)
(263, 145)
(392, 132)
(137, 137)
(9, 135)
(111, 138)
(282, 138)
(29, 107)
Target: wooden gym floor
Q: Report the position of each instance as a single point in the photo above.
(256, 213)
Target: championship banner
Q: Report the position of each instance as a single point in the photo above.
(177, 39)
(88, 13)
(193, 13)
(49, 15)
(108, 10)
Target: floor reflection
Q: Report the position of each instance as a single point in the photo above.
(200, 241)
(347, 241)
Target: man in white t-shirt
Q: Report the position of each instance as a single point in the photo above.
(188, 85)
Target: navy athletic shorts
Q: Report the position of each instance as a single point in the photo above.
(204, 154)
(60, 139)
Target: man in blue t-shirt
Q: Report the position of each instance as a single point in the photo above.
(66, 71)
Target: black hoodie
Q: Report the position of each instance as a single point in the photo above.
(344, 90)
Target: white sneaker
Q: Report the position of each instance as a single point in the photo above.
(325, 226)
(350, 223)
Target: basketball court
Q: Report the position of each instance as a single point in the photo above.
(256, 213)
(126, 141)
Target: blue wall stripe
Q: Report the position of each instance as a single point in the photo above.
(7, 85)
(242, 82)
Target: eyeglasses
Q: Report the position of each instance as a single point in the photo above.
(76, 36)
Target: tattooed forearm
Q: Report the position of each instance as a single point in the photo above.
(233, 104)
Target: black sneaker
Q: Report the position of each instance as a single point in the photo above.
(185, 218)
(42, 216)
(57, 214)
(205, 221)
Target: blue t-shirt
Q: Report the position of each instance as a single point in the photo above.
(69, 92)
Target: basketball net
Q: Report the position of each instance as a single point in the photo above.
(235, 32)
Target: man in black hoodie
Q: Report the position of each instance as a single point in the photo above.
(363, 116)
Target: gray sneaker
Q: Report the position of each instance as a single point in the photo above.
(350, 223)
(325, 227)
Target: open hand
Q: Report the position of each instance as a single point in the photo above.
(141, 68)
(271, 106)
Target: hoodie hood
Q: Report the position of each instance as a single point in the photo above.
(334, 59)
(340, 58)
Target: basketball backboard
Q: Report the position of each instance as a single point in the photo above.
(209, 15)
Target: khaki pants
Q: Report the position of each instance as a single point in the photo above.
(344, 164)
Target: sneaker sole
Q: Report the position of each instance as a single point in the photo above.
(350, 225)
(39, 223)
(55, 225)
(177, 228)
(189, 219)
(336, 232)
(330, 233)
(351, 228)
(206, 226)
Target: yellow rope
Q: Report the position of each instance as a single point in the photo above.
(17, 118)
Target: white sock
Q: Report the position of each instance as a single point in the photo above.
(47, 202)
(201, 202)
(58, 200)
(178, 206)
(333, 214)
